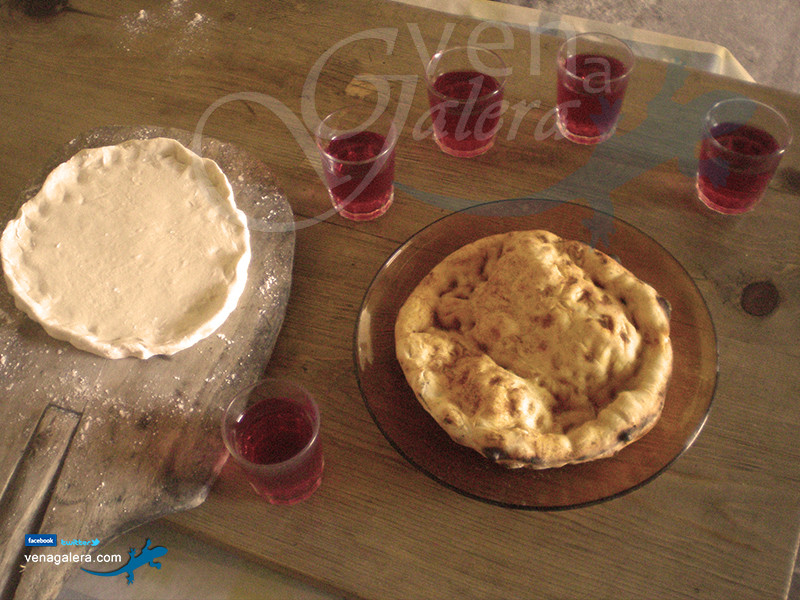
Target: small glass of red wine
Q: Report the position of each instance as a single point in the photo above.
(357, 148)
(742, 143)
(271, 429)
(592, 75)
(465, 92)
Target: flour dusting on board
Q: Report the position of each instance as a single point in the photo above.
(176, 21)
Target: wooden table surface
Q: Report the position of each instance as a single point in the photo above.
(721, 522)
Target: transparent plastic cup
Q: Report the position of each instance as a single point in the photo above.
(357, 148)
(592, 77)
(465, 93)
(271, 430)
(742, 144)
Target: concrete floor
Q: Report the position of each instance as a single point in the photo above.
(761, 34)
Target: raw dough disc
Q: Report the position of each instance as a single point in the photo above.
(129, 250)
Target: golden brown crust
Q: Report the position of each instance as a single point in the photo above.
(536, 351)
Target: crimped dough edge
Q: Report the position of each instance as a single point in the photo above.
(139, 347)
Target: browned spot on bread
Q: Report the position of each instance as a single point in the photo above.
(512, 404)
(626, 434)
(575, 251)
(607, 322)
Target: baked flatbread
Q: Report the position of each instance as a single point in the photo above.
(129, 250)
(536, 351)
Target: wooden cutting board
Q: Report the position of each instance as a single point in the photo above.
(93, 447)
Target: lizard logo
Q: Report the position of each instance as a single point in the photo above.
(146, 556)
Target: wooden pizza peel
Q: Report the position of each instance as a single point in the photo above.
(92, 447)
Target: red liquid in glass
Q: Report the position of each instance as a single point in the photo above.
(465, 108)
(589, 95)
(345, 178)
(734, 172)
(274, 431)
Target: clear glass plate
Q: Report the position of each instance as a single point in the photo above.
(418, 438)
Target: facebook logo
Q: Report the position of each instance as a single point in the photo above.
(39, 539)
